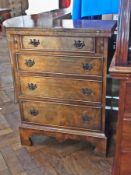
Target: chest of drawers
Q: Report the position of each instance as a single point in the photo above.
(60, 77)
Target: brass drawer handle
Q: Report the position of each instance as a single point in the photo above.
(34, 42)
(79, 44)
(34, 112)
(87, 66)
(86, 91)
(86, 118)
(32, 86)
(29, 62)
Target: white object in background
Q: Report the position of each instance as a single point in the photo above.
(71, 5)
(38, 6)
(115, 17)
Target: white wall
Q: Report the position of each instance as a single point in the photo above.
(38, 6)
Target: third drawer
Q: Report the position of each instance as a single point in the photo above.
(61, 88)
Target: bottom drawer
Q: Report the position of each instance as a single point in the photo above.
(57, 114)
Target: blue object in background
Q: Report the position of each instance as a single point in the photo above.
(84, 8)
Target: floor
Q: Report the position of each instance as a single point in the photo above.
(47, 156)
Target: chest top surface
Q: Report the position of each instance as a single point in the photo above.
(51, 21)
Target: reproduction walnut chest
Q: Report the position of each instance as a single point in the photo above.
(59, 69)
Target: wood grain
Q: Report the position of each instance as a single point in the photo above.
(58, 43)
(53, 114)
(83, 94)
(61, 88)
(47, 156)
(60, 64)
(121, 70)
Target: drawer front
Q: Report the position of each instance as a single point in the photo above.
(48, 113)
(67, 65)
(56, 43)
(62, 88)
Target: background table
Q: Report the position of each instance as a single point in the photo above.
(4, 14)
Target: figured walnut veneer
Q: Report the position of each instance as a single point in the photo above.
(59, 69)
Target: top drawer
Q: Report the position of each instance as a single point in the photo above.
(58, 43)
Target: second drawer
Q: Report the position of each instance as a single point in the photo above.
(60, 64)
(61, 88)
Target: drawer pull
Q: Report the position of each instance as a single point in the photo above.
(87, 66)
(79, 44)
(86, 118)
(34, 42)
(32, 86)
(34, 112)
(86, 91)
(29, 62)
